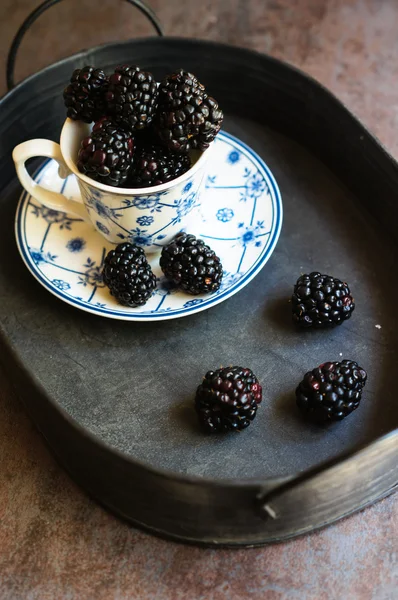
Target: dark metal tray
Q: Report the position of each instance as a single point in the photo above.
(114, 399)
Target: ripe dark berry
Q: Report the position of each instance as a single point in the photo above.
(106, 154)
(191, 264)
(132, 97)
(128, 275)
(332, 391)
(154, 165)
(84, 97)
(187, 116)
(227, 399)
(321, 301)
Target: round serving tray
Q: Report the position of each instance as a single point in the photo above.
(114, 399)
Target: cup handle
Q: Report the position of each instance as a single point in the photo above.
(49, 199)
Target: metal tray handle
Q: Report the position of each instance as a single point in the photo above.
(357, 479)
(144, 8)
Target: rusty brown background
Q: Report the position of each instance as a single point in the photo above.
(55, 543)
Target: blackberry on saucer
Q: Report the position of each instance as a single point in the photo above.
(128, 275)
(132, 97)
(106, 154)
(187, 116)
(84, 97)
(154, 165)
(321, 301)
(332, 391)
(191, 264)
(227, 399)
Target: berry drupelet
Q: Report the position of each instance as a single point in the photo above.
(106, 154)
(187, 116)
(321, 301)
(132, 97)
(154, 165)
(227, 399)
(191, 264)
(84, 97)
(128, 275)
(332, 391)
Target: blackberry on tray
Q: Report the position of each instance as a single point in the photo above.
(321, 301)
(128, 275)
(132, 97)
(84, 97)
(106, 154)
(191, 264)
(187, 116)
(227, 399)
(332, 391)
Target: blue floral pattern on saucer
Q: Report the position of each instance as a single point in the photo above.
(240, 217)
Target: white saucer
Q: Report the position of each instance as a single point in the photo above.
(240, 218)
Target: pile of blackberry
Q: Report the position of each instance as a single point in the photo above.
(187, 261)
(163, 121)
(228, 398)
(333, 390)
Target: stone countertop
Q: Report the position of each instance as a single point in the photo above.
(55, 541)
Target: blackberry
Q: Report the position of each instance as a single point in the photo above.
(106, 154)
(227, 399)
(187, 116)
(154, 165)
(321, 301)
(191, 264)
(332, 391)
(132, 97)
(128, 275)
(84, 97)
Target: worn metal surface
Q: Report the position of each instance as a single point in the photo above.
(262, 577)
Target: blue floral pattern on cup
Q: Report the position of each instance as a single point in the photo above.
(239, 217)
(161, 212)
(103, 228)
(145, 221)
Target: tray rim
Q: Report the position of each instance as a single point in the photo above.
(164, 473)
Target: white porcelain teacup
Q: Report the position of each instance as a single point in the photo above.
(148, 217)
